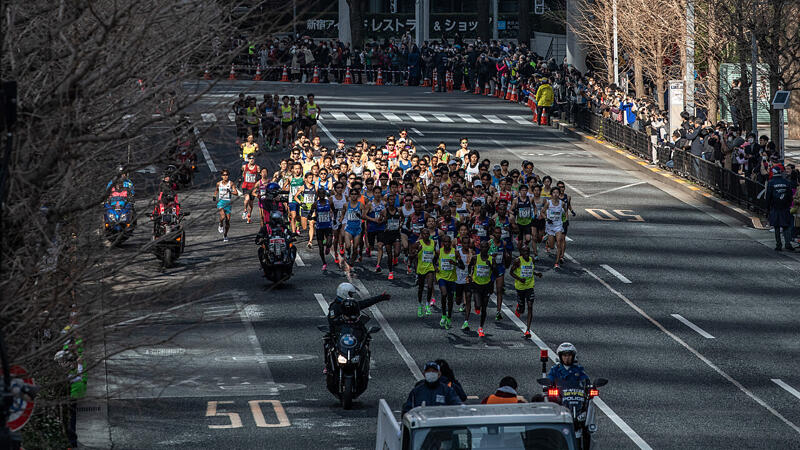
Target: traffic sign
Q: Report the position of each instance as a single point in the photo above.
(21, 409)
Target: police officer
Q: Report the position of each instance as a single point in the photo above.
(567, 372)
(346, 291)
(440, 61)
(779, 200)
(431, 391)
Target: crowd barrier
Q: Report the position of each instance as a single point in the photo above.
(726, 183)
(308, 74)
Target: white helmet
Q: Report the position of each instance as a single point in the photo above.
(567, 347)
(345, 291)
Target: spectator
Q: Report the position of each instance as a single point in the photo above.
(779, 201)
(430, 391)
(505, 393)
(544, 99)
(449, 378)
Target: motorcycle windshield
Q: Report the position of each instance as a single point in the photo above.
(348, 339)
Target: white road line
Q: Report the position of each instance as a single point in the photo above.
(204, 150)
(416, 117)
(569, 239)
(469, 119)
(521, 120)
(615, 273)
(389, 332)
(788, 388)
(600, 403)
(327, 133)
(577, 191)
(417, 131)
(208, 117)
(689, 324)
(391, 117)
(299, 261)
(616, 188)
(232, 117)
(322, 302)
(251, 336)
(442, 118)
(494, 119)
(339, 116)
(697, 354)
(366, 116)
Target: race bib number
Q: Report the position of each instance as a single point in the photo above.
(323, 216)
(526, 271)
(416, 228)
(447, 265)
(286, 114)
(308, 198)
(480, 231)
(250, 177)
(351, 216)
(393, 224)
(498, 258)
(552, 214)
(451, 234)
(427, 256)
(524, 213)
(483, 271)
(504, 233)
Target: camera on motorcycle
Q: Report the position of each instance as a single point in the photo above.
(600, 382)
(374, 330)
(544, 381)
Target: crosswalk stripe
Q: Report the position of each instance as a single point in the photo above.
(494, 119)
(391, 117)
(339, 116)
(443, 118)
(467, 118)
(416, 117)
(520, 120)
(366, 116)
(232, 116)
(209, 117)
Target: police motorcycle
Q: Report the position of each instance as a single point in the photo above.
(169, 237)
(185, 159)
(576, 397)
(347, 354)
(276, 250)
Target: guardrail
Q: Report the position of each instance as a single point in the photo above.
(724, 182)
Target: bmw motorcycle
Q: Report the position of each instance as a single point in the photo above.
(276, 250)
(347, 360)
(185, 162)
(169, 238)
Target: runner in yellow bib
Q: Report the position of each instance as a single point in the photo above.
(522, 271)
(446, 264)
(424, 250)
(480, 269)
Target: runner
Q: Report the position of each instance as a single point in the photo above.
(522, 271)
(465, 251)
(260, 191)
(249, 147)
(523, 211)
(376, 224)
(306, 197)
(287, 117)
(391, 237)
(249, 173)
(339, 200)
(223, 189)
(446, 263)
(481, 267)
(553, 212)
(424, 251)
(294, 185)
(322, 216)
(538, 223)
(352, 227)
(312, 115)
(251, 117)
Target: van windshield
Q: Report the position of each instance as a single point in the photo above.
(494, 437)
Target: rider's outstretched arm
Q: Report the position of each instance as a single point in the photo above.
(366, 303)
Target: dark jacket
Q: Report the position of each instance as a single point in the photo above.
(335, 308)
(456, 387)
(779, 200)
(437, 395)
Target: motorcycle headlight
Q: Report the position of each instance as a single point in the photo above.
(342, 359)
(123, 217)
(111, 216)
(582, 416)
(355, 359)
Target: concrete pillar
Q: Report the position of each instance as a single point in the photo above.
(422, 14)
(344, 22)
(576, 50)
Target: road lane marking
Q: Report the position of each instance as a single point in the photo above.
(620, 276)
(689, 324)
(691, 350)
(366, 116)
(569, 239)
(494, 119)
(785, 386)
(389, 332)
(339, 116)
(232, 117)
(253, 339)
(600, 403)
(617, 188)
(391, 117)
(467, 118)
(208, 117)
(299, 261)
(211, 411)
(322, 302)
(521, 120)
(442, 118)
(578, 191)
(204, 150)
(327, 133)
(417, 131)
(416, 117)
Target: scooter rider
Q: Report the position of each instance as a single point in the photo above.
(567, 373)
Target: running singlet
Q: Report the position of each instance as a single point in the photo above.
(324, 221)
(448, 228)
(326, 184)
(252, 115)
(338, 204)
(250, 175)
(425, 257)
(224, 192)
(482, 272)
(524, 271)
(295, 184)
(286, 114)
(471, 172)
(351, 217)
(248, 149)
(524, 212)
(404, 165)
(496, 252)
(505, 226)
(461, 274)
(308, 197)
(447, 265)
(393, 221)
(374, 213)
(554, 212)
(311, 110)
(504, 195)
(479, 226)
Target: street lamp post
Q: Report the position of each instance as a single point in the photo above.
(616, 45)
(689, 76)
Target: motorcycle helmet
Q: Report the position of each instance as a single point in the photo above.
(276, 217)
(566, 347)
(273, 187)
(345, 291)
(350, 310)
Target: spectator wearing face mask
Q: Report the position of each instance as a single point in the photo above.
(431, 391)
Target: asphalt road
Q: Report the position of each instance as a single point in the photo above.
(688, 314)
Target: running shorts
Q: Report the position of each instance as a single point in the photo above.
(481, 289)
(294, 206)
(525, 296)
(390, 237)
(373, 235)
(552, 228)
(449, 285)
(224, 205)
(539, 224)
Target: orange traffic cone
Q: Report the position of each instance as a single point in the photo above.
(435, 81)
(315, 77)
(543, 119)
(258, 73)
(530, 100)
(507, 95)
(449, 81)
(477, 88)
(232, 75)
(285, 75)
(207, 74)
(408, 75)
(533, 109)
(379, 81)
(486, 90)
(348, 78)
(426, 82)
(463, 85)
(514, 96)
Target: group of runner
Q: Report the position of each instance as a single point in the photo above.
(276, 119)
(453, 219)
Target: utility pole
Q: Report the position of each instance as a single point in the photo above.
(689, 76)
(294, 19)
(495, 10)
(616, 45)
(754, 82)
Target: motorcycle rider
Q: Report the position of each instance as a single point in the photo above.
(122, 178)
(431, 391)
(567, 373)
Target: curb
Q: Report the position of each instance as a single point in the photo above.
(706, 196)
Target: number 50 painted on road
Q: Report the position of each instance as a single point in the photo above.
(602, 214)
(255, 409)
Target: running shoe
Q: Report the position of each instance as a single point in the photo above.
(556, 266)
(465, 325)
(378, 268)
(341, 251)
(391, 275)
(480, 332)
(248, 219)
(442, 322)
(220, 229)
(499, 316)
(526, 335)
(335, 260)
(433, 301)
(477, 310)
(225, 239)
(309, 246)
(408, 269)
(447, 323)
(461, 309)
(516, 311)
(394, 262)
(244, 215)
(324, 267)
(428, 310)
(419, 310)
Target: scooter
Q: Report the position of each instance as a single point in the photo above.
(347, 360)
